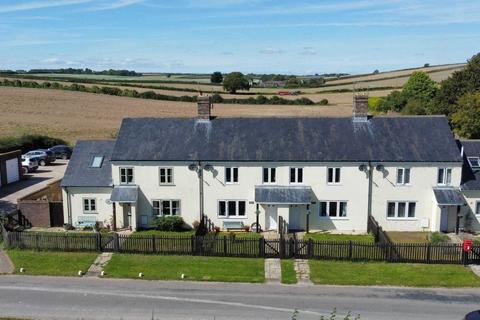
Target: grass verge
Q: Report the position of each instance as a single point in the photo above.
(195, 268)
(288, 272)
(51, 263)
(325, 236)
(395, 274)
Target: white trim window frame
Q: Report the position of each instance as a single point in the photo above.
(97, 162)
(334, 175)
(444, 176)
(231, 175)
(166, 207)
(269, 175)
(296, 175)
(474, 162)
(126, 175)
(401, 210)
(333, 209)
(229, 208)
(403, 176)
(165, 176)
(89, 205)
(477, 208)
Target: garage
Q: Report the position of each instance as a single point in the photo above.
(10, 167)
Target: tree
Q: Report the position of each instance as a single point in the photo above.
(216, 77)
(235, 81)
(395, 101)
(415, 107)
(419, 87)
(459, 83)
(465, 120)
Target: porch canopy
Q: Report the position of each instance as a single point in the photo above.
(283, 194)
(448, 197)
(124, 194)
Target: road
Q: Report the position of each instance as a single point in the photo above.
(91, 298)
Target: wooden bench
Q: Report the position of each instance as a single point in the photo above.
(233, 225)
(85, 222)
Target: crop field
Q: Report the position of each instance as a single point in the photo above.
(76, 115)
(143, 78)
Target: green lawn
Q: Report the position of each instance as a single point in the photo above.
(288, 272)
(325, 236)
(417, 237)
(164, 233)
(51, 263)
(241, 235)
(401, 274)
(195, 268)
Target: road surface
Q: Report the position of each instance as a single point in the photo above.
(89, 298)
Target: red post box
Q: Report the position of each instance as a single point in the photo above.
(467, 245)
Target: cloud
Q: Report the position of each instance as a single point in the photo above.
(308, 51)
(39, 5)
(271, 51)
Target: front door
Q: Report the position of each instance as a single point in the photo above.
(294, 218)
(271, 216)
(127, 214)
(443, 219)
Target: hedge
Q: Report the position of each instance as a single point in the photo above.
(28, 142)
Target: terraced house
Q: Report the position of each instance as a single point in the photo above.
(295, 173)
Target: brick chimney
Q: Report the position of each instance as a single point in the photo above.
(360, 107)
(204, 108)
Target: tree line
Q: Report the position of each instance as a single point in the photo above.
(457, 97)
(114, 91)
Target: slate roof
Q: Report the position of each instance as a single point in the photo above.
(124, 194)
(283, 194)
(414, 139)
(470, 176)
(80, 174)
(448, 197)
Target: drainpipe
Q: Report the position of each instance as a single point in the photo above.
(370, 187)
(200, 188)
(69, 207)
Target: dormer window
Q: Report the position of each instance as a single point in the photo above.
(474, 162)
(97, 162)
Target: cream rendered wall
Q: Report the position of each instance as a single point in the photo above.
(471, 221)
(353, 189)
(76, 195)
(423, 177)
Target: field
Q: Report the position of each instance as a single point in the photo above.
(75, 115)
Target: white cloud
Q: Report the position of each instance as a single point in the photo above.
(39, 5)
(308, 51)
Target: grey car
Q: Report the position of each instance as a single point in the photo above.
(42, 156)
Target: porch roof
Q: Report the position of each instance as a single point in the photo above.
(124, 194)
(283, 194)
(448, 197)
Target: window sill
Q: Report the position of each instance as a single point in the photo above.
(231, 183)
(231, 217)
(90, 212)
(334, 218)
(403, 185)
(167, 185)
(334, 184)
(402, 219)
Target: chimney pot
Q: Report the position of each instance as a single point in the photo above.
(204, 107)
(360, 107)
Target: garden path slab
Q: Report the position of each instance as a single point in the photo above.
(273, 270)
(302, 269)
(97, 266)
(6, 265)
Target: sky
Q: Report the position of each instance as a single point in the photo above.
(260, 36)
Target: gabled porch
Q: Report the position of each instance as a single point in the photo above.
(125, 215)
(449, 204)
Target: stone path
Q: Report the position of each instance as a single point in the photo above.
(100, 262)
(476, 269)
(6, 265)
(273, 270)
(302, 269)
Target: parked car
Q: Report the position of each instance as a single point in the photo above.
(475, 315)
(61, 151)
(29, 165)
(43, 156)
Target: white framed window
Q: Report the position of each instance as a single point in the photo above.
(166, 176)
(166, 207)
(269, 175)
(474, 162)
(231, 208)
(89, 205)
(231, 175)
(333, 209)
(403, 176)
(333, 175)
(126, 175)
(477, 207)
(401, 209)
(97, 162)
(296, 175)
(444, 176)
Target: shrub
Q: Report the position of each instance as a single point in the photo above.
(438, 237)
(323, 102)
(28, 142)
(172, 223)
(216, 98)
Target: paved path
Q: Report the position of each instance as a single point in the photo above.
(97, 266)
(94, 298)
(6, 265)
(302, 269)
(273, 270)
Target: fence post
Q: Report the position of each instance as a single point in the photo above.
(465, 258)
(350, 250)
(261, 247)
(310, 248)
(281, 246)
(291, 248)
(36, 241)
(225, 245)
(428, 252)
(192, 244)
(98, 241)
(116, 242)
(153, 244)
